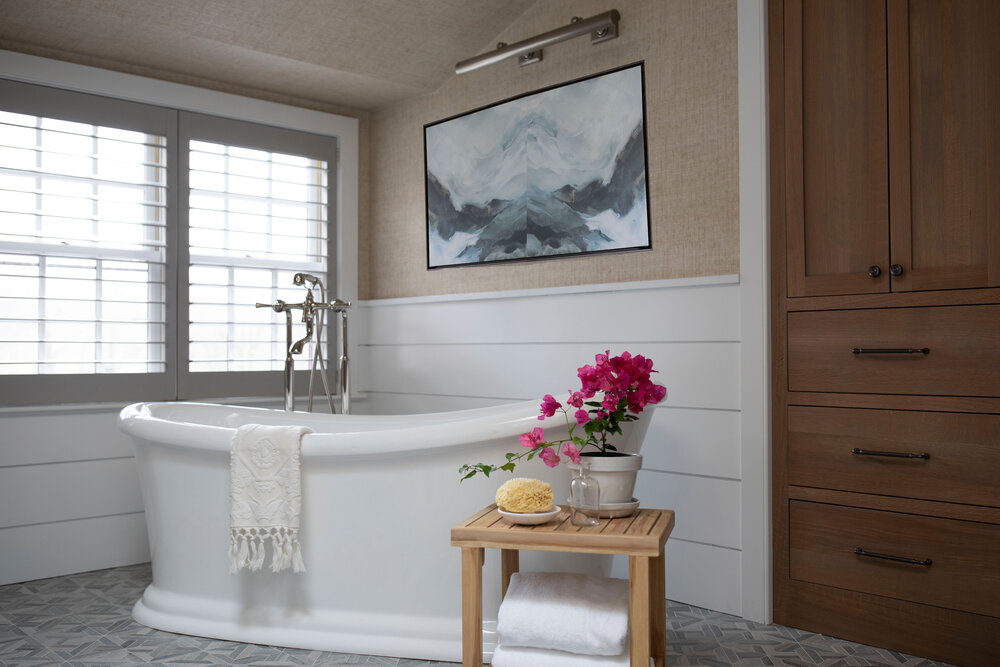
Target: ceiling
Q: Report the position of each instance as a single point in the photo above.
(361, 54)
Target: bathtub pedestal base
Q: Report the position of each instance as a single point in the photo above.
(325, 630)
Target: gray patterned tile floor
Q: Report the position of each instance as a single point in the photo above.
(85, 620)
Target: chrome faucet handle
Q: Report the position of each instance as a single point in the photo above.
(337, 305)
(278, 306)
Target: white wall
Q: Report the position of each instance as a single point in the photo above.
(69, 494)
(707, 450)
(470, 350)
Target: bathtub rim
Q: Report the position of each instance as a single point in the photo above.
(148, 421)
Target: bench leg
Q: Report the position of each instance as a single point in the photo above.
(639, 595)
(472, 607)
(509, 564)
(658, 611)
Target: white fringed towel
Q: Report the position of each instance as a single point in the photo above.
(513, 656)
(565, 612)
(265, 497)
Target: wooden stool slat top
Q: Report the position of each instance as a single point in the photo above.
(642, 534)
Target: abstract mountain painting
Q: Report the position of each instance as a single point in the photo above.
(560, 171)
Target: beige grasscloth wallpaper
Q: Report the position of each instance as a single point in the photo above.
(689, 50)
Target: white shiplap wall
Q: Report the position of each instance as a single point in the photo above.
(69, 494)
(469, 350)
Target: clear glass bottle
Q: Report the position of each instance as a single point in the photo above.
(584, 497)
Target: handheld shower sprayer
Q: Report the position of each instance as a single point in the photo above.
(302, 278)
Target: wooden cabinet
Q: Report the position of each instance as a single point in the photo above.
(885, 322)
(939, 351)
(928, 560)
(944, 143)
(950, 457)
(837, 147)
(891, 113)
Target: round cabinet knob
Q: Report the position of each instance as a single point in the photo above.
(874, 271)
(896, 270)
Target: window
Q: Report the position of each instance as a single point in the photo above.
(135, 241)
(82, 248)
(255, 219)
(255, 203)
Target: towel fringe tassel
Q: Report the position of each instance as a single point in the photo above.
(248, 550)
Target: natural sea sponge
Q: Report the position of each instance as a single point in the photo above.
(522, 494)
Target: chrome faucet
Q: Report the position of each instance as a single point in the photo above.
(312, 316)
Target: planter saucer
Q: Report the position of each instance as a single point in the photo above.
(616, 510)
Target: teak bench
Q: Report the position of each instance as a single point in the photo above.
(640, 537)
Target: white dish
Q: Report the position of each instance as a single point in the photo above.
(530, 518)
(616, 510)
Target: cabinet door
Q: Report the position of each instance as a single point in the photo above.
(944, 138)
(837, 183)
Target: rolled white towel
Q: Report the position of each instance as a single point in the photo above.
(565, 612)
(515, 656)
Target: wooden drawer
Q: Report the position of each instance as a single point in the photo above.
(964, 557)
(963, 464)
(963, 344)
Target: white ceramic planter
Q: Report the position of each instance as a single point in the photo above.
(615, 474)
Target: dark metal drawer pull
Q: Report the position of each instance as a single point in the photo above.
(899, 559)
(898, 455)
(891, 350)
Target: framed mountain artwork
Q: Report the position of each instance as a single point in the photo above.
(555, 172)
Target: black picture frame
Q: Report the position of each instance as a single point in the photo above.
(557, 172)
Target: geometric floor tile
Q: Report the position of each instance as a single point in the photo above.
(84, 620)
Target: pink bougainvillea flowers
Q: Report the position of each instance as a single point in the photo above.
(550, 458)
(533, 438)
(549, 406)
(625, 389)
(570, 450)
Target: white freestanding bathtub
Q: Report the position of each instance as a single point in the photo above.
(379, 497)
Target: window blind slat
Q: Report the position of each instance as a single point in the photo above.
(51, 174)
(291, 264)
(107, 196)
(149, 251)
(313, 191)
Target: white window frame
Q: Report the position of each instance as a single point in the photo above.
(124, 88)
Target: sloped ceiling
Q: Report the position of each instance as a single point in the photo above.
(361, 54)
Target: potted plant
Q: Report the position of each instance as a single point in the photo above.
(613, 392)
